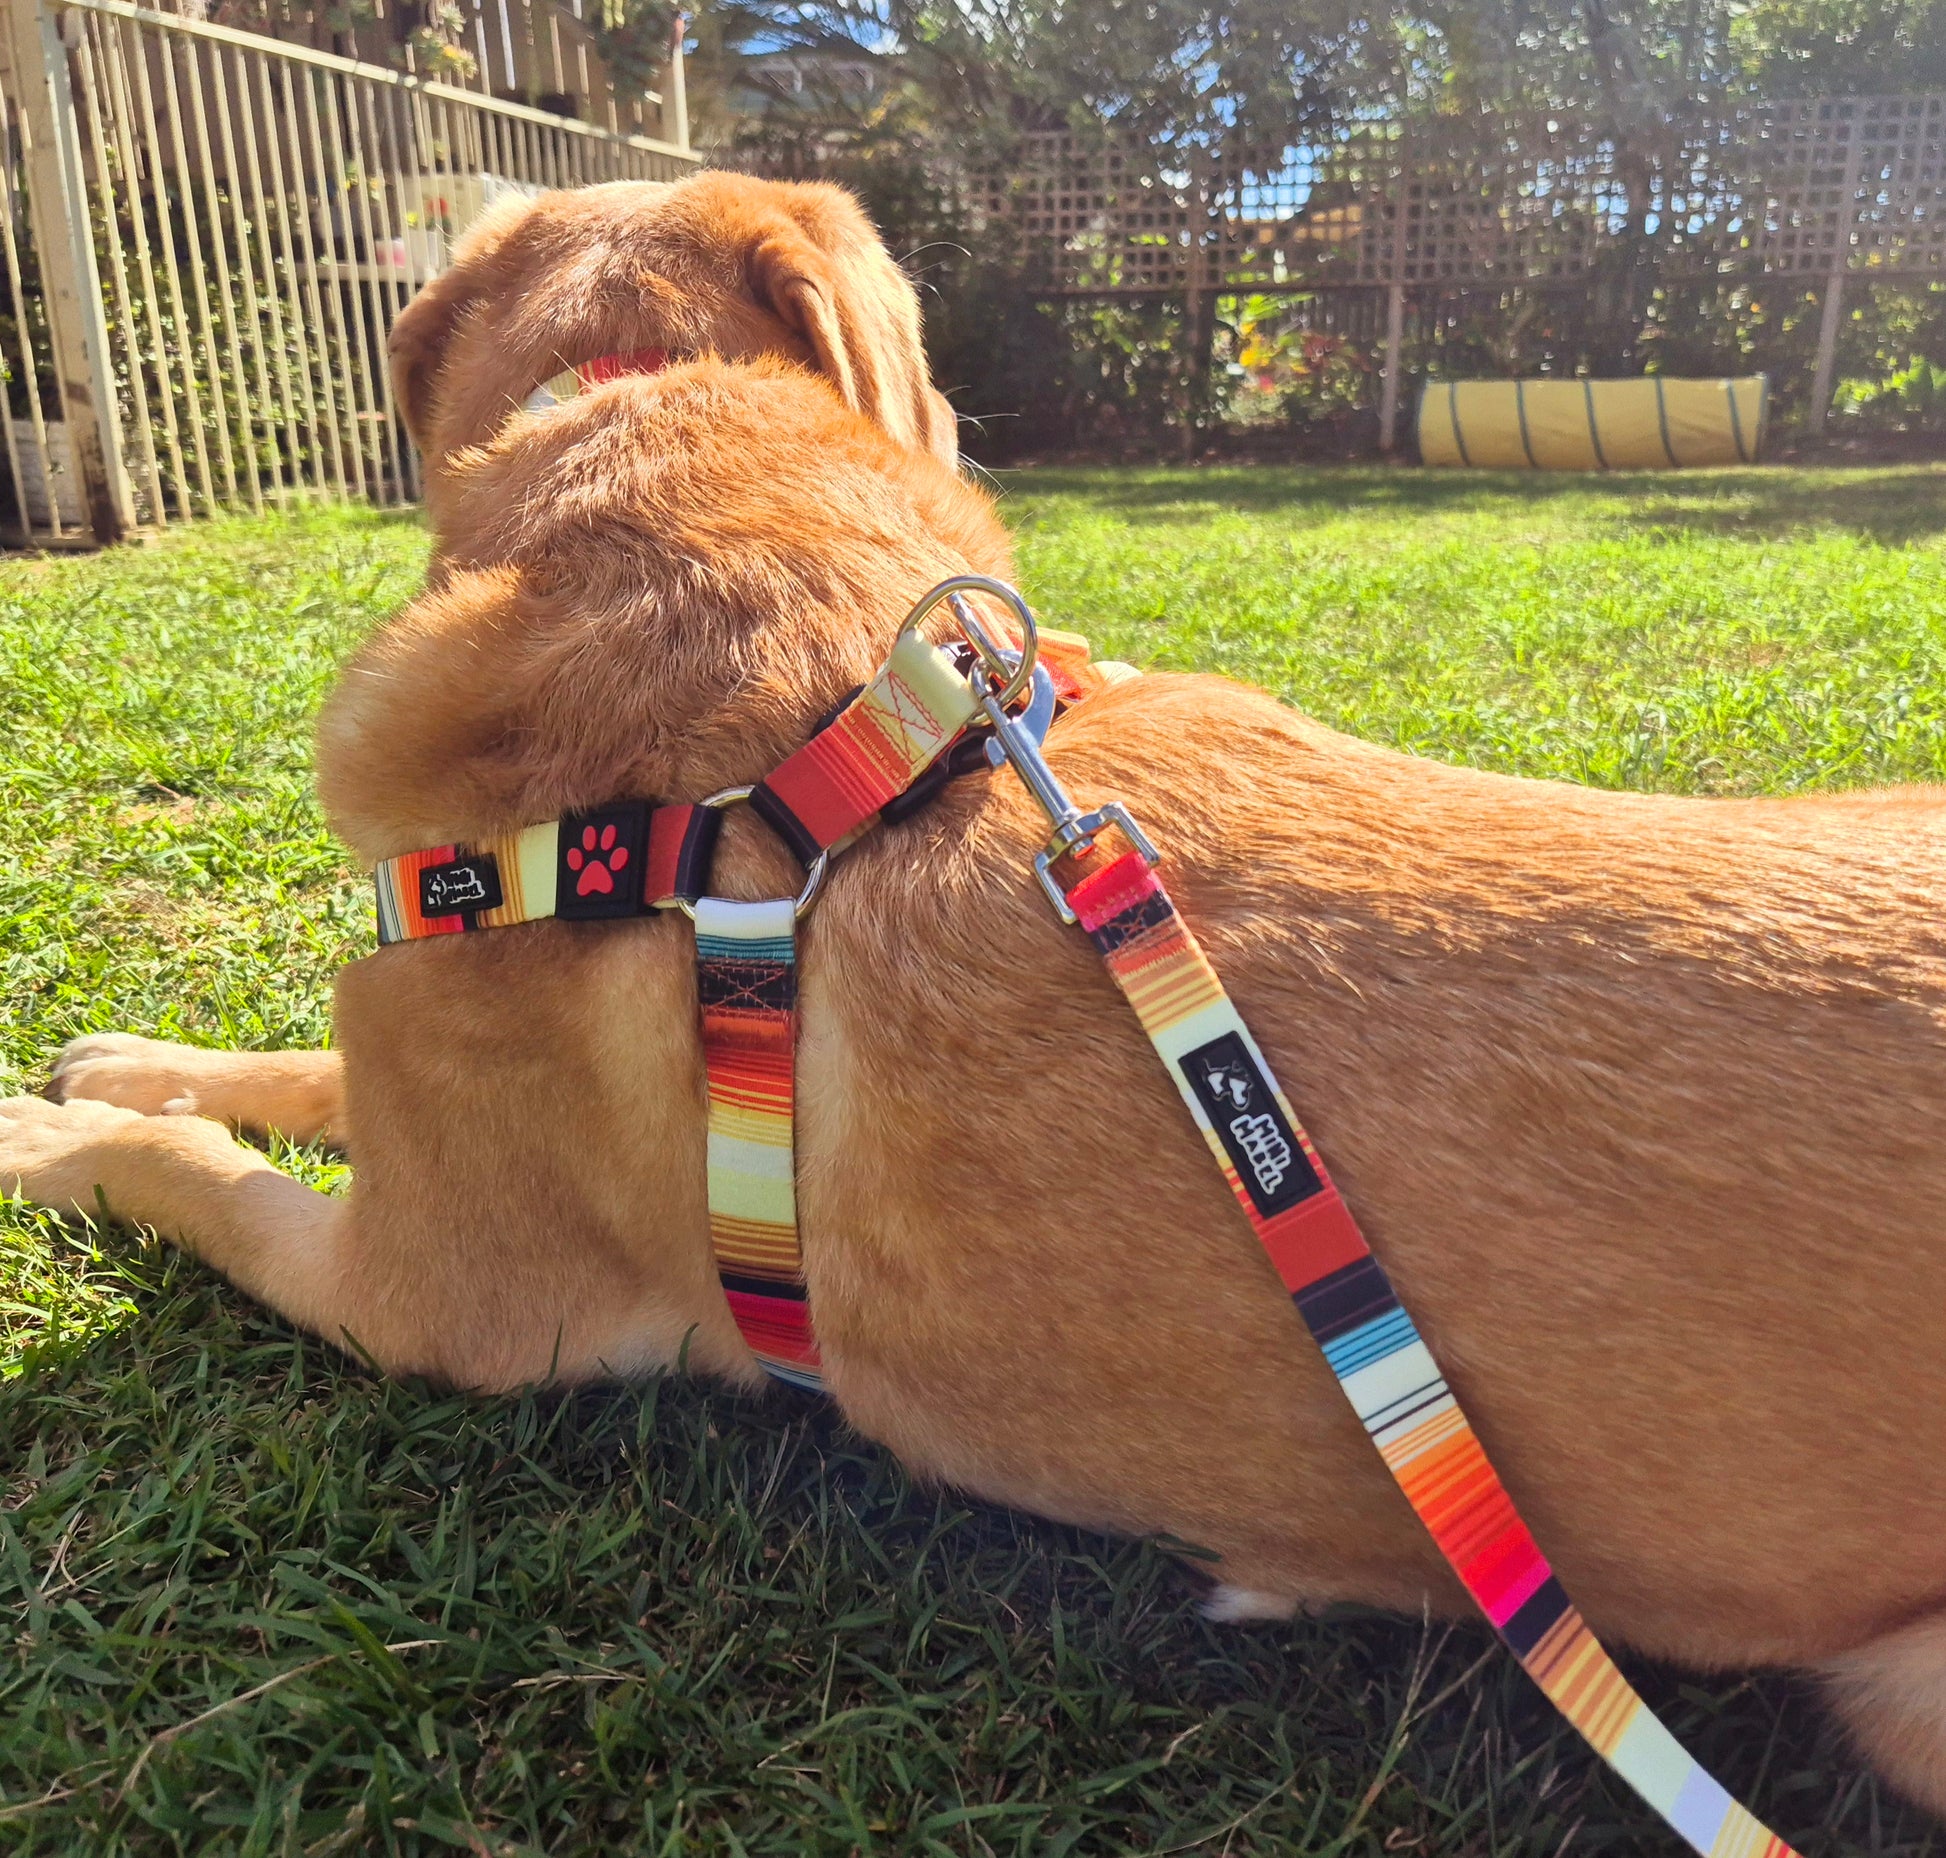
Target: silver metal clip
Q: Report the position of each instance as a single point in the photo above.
(1036, 716)
(998, 678)
(1074, 830)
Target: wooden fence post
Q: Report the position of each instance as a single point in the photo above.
(675, 93)
(64, 244)
(1201, 277)
(1388, 397)
(1822, 379)
(1834, 286)
(1388, 402)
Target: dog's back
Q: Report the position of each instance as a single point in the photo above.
(1637, 1098)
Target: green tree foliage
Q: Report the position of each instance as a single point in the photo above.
(1268, 69)
(1828, 47)
(1633, 61)
(633, 37)
(960, 80)
(1174, 70)
(1643, 61)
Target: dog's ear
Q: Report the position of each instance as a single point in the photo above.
(942, 427)
(427, 325)
(829, 279)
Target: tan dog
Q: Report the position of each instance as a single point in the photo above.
(719, 264)
(1638, 1098)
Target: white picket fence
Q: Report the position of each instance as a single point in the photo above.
(207, 234)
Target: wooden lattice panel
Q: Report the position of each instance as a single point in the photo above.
(1308, 213)
(1793, 187)
(1858, 182)
(1089, 217)
(1526, 202)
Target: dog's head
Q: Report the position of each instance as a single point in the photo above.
(655, 589)
(718, 264)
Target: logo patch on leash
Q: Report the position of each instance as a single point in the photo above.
(1250, 1123)
(464, 884)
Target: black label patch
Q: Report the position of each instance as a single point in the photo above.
(1269, 1160)
(603, 857)
(465, 884)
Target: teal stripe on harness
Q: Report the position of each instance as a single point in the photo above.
(725, 948)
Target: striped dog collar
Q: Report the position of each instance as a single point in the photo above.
(633, 858)
(625, 859)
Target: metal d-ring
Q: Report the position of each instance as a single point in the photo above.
(814, 872)
(998, 659)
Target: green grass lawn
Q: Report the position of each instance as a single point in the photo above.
(258, 1601)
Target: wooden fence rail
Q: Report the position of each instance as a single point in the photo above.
(207, 234)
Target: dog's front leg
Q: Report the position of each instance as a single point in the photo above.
(269, 1235)
(299, 1095)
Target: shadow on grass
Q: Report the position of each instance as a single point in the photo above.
(1890, 505)
(663, 1537)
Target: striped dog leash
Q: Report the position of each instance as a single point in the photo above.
(1347, 1302)
(889, 736)
(1381, 1362)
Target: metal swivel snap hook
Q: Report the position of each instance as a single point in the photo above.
(1074, 830)
(997, 682)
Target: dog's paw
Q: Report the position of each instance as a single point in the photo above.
(149, 1076)
(58, 1153)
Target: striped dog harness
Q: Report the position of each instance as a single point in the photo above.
(633, 858)
(892, 736)
(746, 983)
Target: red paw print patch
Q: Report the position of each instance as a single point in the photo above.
(601, 857)
(597, 858)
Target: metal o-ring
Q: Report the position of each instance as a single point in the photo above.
(814, 874)
(1014, 676)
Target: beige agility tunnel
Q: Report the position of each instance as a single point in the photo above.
(1639, 425)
